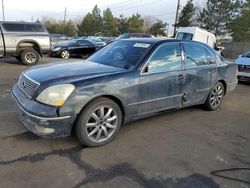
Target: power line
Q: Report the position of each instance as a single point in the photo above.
(176, 17)
(65, 14)
(145, 4)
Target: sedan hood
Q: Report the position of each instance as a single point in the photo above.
(69, 71)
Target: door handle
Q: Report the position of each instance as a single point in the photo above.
(180, 77)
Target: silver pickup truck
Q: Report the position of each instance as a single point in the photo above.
(25, 41)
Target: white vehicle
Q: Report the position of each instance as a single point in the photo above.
(196, 34)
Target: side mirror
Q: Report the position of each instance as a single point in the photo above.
(78, 44)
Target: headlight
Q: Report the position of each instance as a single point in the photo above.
(56, 95)
(57, 49)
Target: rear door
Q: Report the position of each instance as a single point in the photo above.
(201, 71)
(162, 80)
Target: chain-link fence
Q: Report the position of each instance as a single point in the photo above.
(234, 49)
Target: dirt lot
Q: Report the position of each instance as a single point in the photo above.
(176, 149)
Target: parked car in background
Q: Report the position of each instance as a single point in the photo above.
(25, 41)
(108, 40)
(243, 63)
(74, 47)
(133, 35)
(59, 39)
(124, 81)
(97, 41)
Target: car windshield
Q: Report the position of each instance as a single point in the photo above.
(247, 55)
(122, 54)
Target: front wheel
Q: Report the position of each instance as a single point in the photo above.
(215, 97)
(98, 123)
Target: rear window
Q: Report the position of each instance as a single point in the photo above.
(184, 36)
(14, 27)
(33, 28)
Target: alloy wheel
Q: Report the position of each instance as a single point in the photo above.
(217, 96)
(65, 54)
(102, 124)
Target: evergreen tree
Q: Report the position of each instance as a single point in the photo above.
(122, 24)
(158, 28)
(109, 23)
(217, 15)
(186, 15)
(135, 24)
(91, 23)
(240, 27)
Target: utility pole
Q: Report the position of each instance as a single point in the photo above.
(65, 16)
(3, 10)
(176, 17)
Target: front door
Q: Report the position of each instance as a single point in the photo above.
(201, 71)
(162, 80)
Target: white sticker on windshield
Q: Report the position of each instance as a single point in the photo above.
(141, 45)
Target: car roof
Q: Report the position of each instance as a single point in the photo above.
(17, 22)
(160, 40)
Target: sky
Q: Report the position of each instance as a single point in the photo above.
(29, 10)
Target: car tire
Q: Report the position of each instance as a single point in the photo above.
(215, 97)
(29, 57)
(98, 123)
(65, 54)
(18, 58)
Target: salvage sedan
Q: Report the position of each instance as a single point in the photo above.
(127, 80)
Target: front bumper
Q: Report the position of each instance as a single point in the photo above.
(244, 76)
(48, 127)
(54, 53)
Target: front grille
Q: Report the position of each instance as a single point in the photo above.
(244, 68)
(27, 85)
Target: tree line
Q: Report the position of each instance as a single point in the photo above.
(105, 23)
(217, 16)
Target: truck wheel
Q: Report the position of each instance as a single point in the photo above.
(29, 57)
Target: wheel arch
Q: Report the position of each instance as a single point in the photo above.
(224, 84)
(108, 96)
(24, 44)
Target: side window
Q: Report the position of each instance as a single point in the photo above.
(195, 55)
(210, 58)
(33, 28)
(165, 57)
(84, 43)
(12, 27)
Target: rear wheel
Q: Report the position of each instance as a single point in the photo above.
(99, 122)
(215, 97)
(29, 57)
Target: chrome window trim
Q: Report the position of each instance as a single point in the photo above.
(147, 62)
